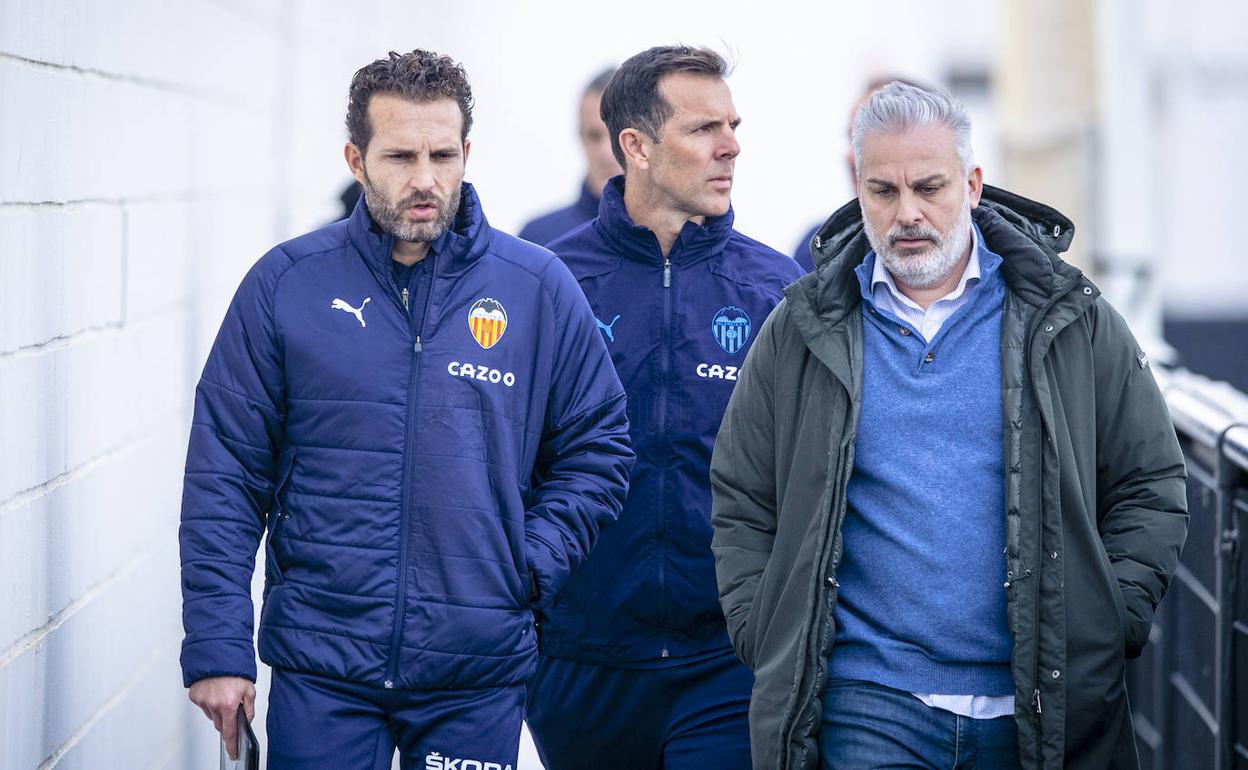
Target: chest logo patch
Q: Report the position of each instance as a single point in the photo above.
(731, 328)
(358, 312)
(487, 320)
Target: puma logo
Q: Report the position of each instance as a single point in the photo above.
(606, 328)
(358, 312)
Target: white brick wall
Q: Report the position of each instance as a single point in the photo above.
(141, 145)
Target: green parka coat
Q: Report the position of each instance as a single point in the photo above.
(1095, 501)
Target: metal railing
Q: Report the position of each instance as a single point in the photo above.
(1189, 690)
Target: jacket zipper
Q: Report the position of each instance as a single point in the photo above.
(837, 519)
(663, 373)
(1047, 431)
(400, 606)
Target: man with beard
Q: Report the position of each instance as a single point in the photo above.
(947, 493)
(419, 413)
(636, 670)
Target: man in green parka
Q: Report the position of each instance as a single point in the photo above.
(947, 495)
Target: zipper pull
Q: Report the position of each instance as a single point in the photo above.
(417, 347)
(1035, 701)
(667, 273)
(405, 307)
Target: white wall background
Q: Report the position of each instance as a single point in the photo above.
(151, 151)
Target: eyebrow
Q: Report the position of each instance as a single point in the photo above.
(450, 148)
(937, 177)
(715, 121)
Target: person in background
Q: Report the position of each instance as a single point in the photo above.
(349, 196)
(948, 495)
(600, 165)
(636, 670)
(801, 252)
(417, 414)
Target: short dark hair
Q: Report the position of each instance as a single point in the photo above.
(632, 99)
(422, 76)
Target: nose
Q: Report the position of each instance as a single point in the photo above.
(728, 147)
(421, 178)
(909, 212)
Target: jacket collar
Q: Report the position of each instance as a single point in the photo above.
(695, 242)
(1029, 236)
(454, 251)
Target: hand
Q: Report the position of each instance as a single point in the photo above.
(218, 697)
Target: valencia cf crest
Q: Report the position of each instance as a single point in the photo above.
(487, 320)
(731, 327)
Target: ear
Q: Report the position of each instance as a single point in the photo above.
(636, 148)
(975, 185)
(355, 161)
(467, 149)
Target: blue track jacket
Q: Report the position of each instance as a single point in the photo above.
(419, 493)
(678, 334)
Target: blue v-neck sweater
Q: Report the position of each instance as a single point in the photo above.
(921, 605)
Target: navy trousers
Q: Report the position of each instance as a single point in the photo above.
(679, 715)
(317, 723)
(867, 726)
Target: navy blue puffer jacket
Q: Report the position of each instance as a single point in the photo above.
(419, 492)
(678, 331)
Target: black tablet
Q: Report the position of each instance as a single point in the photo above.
(248, 747)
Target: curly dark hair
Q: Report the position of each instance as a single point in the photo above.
(632, 99)
(422, 76)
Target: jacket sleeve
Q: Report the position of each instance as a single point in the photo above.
(743, 489)
(228, 488)
(1141, 490)
(581, 472)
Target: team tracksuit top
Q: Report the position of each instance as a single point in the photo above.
(678, 330)
(419, 491)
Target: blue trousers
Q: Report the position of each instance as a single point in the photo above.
(317, 723)
(686, 715)
(867, 726)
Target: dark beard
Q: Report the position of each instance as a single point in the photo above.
(389, 216)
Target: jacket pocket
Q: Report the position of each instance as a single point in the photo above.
(277, 518)
(748, 637)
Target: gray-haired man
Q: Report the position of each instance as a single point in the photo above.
(947, 494)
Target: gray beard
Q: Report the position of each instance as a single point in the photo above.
(932, 266)
(389, 216)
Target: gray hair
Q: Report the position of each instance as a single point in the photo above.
(899, 107)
